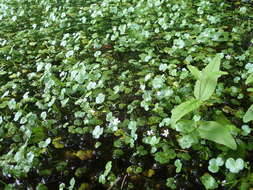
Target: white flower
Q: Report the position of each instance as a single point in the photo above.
(150, 132)
(165, 133)
(115, 121)
(228, 56)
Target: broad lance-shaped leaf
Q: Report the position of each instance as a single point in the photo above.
(217, 132)
(248, 115)
(194, 71)
(184, 108)
(249, 79)
(223, 120)
(205, 86)
(214, 65)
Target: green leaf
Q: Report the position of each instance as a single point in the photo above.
(205, 86)
(234, 166)
(214, 65)
(178, 165)
(41, 186)
(219, 161)
(158, 82)
(194, 71)
(44, 144)
(250, 89)
(72, 183)
(171, 183)
(249, 79)
(248, 115)
(223, 120)
(164, 157)
(12, 104)
(186, 141)
(184, 108)
(100, 98)
(213, 168)
(102, 177)
(97, 132)
(108, 168)
(17, 116)
(218, 133)
(246, 130)
(214, 164)
(209, 181)
(57, 142)
(62, 186)
(153, 140)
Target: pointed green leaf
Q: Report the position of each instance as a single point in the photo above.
(205, 86)
(223, 120)
(194, 71)
(218, 73)
(248, 115)
(217, 132)
(184, 108)
(214, 65)
(249, 79)
(197, 90)
(250, 89)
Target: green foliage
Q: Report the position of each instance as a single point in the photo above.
(97, 132)
(41, 186)
(170, 183)
(72, 184)
(207, 79)
(249, 79)
(214, 164)
(204, 88)
(183, 109)
(218, 133)
(102, 177)
(112, 94)
(178, 165)
(234, 166)
(246, 130)
(248, 115)
(209, 181)
(165, 156)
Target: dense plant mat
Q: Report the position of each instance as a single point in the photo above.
(126, 94)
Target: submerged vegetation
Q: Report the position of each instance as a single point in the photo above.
(126, 94)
